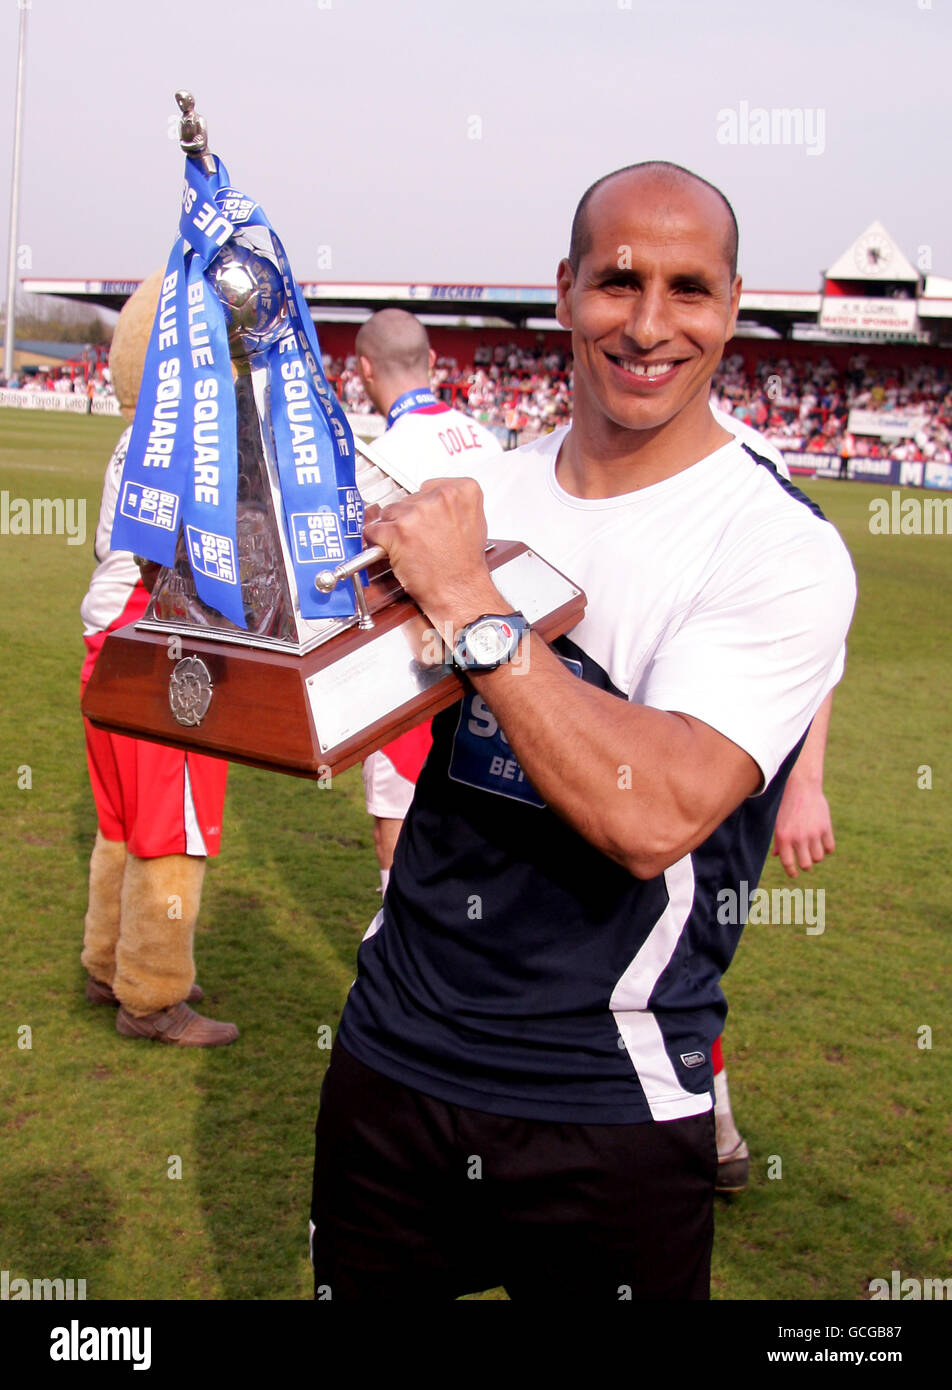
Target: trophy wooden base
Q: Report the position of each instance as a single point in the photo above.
(314, 714)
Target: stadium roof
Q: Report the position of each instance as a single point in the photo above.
(514, 304)
(44, 347)
(872, 257)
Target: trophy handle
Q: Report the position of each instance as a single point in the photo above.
(327, 580)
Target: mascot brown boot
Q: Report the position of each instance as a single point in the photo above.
(154, 965)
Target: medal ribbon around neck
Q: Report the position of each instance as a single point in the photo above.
(410, 400)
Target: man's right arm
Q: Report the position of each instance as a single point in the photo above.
(685, 773)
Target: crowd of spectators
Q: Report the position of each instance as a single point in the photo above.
(804, 404)
(800, 404)
(514, 391)
(68, 381)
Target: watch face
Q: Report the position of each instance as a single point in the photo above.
(488, 642)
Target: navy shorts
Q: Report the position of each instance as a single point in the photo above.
(418, 1199)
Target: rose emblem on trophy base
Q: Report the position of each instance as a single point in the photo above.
(190, 690)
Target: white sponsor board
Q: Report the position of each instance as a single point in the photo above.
(44, 400)
(886, 424)
(868, 315)
(368, 426)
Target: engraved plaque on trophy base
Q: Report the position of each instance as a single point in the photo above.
(317, 712)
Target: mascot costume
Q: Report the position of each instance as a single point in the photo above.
(159, 810)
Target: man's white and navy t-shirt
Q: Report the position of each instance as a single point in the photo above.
(753, 439)
(515, 969)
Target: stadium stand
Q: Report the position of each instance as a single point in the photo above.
(806, 402)
(819, 403)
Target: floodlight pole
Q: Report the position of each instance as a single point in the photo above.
(10, 334)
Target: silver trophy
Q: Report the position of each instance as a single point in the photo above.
(297, 694)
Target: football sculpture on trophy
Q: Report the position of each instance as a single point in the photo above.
(249, 289)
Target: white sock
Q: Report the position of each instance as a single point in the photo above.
(728, 1135)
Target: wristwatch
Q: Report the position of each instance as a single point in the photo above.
(487, 642)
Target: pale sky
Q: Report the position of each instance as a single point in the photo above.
(449, 140)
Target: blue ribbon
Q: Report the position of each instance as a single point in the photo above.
(410, 400)
(182, 462)
(209, 504)
(148, 511)
(323, 511)
(181, 467)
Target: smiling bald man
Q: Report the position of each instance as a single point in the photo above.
(520, 1092)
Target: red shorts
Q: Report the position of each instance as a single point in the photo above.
(158, 800)
(391, 773)
(408, 752)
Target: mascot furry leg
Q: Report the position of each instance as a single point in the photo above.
(137, 949)
(142, 911)
(106, 869)
(155, 968)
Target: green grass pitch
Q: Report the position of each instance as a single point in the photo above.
(844, 1107)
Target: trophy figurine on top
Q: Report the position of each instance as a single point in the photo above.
(271, 637)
